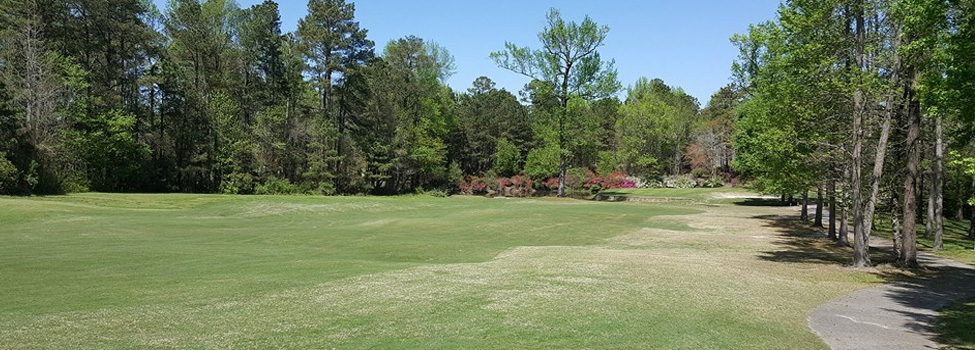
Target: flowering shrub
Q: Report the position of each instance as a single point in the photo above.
(472, 185)
(638, 182)
(679, 182)
(616, 179)
(517, 186)
(713, 182)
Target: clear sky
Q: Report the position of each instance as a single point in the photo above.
(683, 42)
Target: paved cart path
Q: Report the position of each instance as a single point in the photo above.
(901, 315)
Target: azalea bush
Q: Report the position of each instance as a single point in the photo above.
(579, 181)
(515, 186)
(679, 182)
(616, 179)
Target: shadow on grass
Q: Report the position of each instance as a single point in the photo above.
(761, 202)
(802, 243)
(923, 291)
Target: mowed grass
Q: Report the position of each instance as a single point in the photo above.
(100, 271)
(956, 323)
(724, 195)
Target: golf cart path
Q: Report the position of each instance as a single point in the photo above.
(900, 315)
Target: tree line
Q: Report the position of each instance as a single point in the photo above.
(204, 96)
(868, 103)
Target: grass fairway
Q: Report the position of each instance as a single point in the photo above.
(100, 271)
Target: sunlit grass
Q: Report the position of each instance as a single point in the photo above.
(102, 271)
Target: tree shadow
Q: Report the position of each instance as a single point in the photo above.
(761, 202)
(921, 291)
(800, 242)
(933, 286)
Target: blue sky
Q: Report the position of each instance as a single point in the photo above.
(685, 43)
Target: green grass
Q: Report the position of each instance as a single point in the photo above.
(100, 271)
(955, 240)
(698, 195)
(957, 325)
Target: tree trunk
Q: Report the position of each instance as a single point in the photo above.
(971, 225)
(895, 228)
(861, 257)
(844, 239)
(929, 213)
(939, 184)
(832, 210)
(878, 171)
(818, 222)
(564, 99)
(908, 252)
(562, 155)
(805, 206)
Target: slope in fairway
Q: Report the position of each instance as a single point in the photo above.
(188, 271)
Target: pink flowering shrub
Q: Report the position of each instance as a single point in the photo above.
(616, 179)
(517, 186)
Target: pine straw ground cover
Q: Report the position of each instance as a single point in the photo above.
(100, 271)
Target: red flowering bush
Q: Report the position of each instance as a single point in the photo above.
(614, 180)
(517, 186)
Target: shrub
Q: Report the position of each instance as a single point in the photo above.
(713, 182)
(274, 185)
(237, 183)
(454, 174)
(472, 185)
(700, 173)
(507, 158)
(638, 182)
(679, 182)
(439, 193)
(543, 162)
(616, 179)
(516, 186)
(321, 188)
(8, 175)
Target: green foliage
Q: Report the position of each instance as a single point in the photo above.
(114, 158)
(654, 125)
(967, 166)
(276, 186)
(237, 183)
(507, 158)
(543, 162)
(8, 175)
(569, 67)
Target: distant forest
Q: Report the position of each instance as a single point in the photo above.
(207, 97)
(867, 105)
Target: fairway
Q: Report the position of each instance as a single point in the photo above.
(203, 271)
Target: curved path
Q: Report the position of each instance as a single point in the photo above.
(901, 315)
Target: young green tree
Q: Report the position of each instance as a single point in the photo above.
(568, 60)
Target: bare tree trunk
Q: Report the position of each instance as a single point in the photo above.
(861, 256)
(929, 213)
(895, 227)
(832, 210)
(878, 172)
(844, 239)
(818, 222)
(805, 206)
(908, 253)
(939, 184)
(971, 225)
